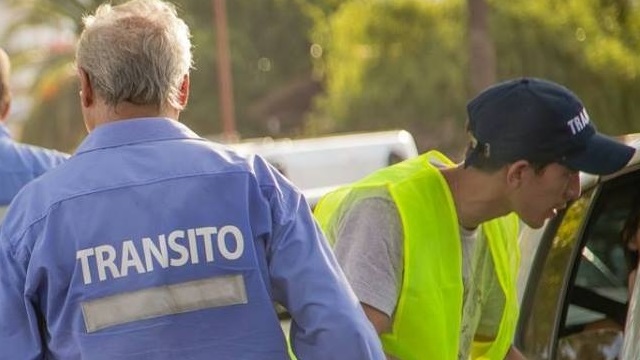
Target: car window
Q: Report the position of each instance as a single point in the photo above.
(577, 305)
(595, 304)
(540, 309)
(598, 293)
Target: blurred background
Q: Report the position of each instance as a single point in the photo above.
(304, 68)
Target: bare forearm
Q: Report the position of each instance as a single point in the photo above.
(380, 321)
(514, 354)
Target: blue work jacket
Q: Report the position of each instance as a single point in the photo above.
(21, 163)
(153, 243)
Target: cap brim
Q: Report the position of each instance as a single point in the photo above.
(602, 156)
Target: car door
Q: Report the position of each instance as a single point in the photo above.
(631, 347)
(573, 286)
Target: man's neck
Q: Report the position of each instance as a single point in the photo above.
(478, 196)
(123, 111)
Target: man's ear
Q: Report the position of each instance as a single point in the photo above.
(86, 90)
(5, 111)
(516, 173)
(184, 91)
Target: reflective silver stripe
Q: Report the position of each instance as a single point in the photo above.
(164, 300)
(3, 210)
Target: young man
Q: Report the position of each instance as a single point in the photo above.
(430, 247)
(19, 163)
(151, 242)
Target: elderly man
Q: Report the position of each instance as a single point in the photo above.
(151, 242)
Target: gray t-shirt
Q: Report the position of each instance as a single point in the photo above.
(369, 247)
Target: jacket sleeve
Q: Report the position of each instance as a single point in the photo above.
(19, 320)
(327, 319)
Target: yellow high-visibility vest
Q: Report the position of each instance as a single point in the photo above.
(427, 320)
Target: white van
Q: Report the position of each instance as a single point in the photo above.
(317, 165)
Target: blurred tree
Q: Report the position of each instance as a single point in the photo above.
(394, 64)
(365, 65)
(271, 62)
(482, 52)
(55, 120)
(406, 64)
(592, 46)
(271, 67)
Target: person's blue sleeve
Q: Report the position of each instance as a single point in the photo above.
(19, 331)
(327, 319)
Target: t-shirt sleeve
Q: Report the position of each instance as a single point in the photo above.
(369, 249)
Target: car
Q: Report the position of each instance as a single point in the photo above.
(631, 346)
(573, 278)
(320, 164)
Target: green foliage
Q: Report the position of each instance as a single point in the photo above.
(394, 64)
(383, 63)
(53, 123)
(405, 63)
(591, 46)
(55, 120)
(269, 50)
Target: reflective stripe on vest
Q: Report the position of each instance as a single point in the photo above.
(427, 320)
(3, 210)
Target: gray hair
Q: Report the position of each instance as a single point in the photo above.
(137, 52)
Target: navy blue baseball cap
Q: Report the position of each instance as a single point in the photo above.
(540, 121)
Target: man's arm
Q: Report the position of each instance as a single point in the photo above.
(19, 332)
(369, 250)
(381, 322)
(514, 354)
(328, 322)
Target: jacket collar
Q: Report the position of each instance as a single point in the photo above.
(134, 131)
(4, 131)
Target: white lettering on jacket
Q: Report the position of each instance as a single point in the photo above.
(579, 122)
(177, 248)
